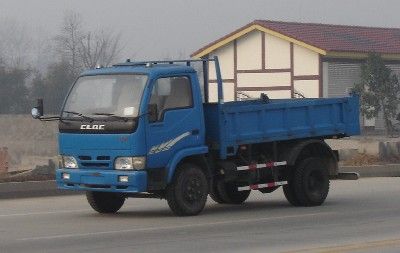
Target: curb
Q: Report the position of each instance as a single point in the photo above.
(49, 188)
(387, 170)
(32, 189)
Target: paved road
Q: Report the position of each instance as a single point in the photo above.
(359, 216)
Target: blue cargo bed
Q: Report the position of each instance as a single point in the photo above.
(231, 124)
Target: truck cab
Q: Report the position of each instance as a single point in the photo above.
(123, 129)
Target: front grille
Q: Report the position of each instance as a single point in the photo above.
(95, 164)
(103, 158)
(97, 186)
(101, 161)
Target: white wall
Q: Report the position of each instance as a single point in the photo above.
(228, 90)
(249, 51)
(225, 57)
(263, 79)
(306, 62)
(309, 88)
(277, 53)
(274, 94)
(277, 58)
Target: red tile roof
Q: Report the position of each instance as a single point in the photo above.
(338, 38)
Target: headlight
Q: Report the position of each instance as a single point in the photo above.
(68, 162)
(130, 163)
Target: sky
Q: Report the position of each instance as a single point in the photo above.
(176, 28)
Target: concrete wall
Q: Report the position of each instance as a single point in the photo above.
(4, 160)
(29, 142)
(384, 148)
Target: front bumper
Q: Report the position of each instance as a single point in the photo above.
(102, 180)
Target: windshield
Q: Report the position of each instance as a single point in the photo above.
(105, 95)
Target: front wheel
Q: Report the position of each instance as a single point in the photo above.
(105, 202)
(187, 193)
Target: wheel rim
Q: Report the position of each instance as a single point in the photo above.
(193, 190)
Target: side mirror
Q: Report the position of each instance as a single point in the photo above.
(37, 111)
(153, 112)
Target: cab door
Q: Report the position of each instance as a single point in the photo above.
(178, 122)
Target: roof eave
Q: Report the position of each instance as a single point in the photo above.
(247, 29)
(360, 55)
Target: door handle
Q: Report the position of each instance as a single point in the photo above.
(157, 124)
(195, 132)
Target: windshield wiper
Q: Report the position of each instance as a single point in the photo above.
(80, 115)
(111, 115)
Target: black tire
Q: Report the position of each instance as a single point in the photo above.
(310, 183)
(229, 193)
(105, 202)
(187, 194)
(288, 190)
(214, 194)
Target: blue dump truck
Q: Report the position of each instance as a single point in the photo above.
(147, 129)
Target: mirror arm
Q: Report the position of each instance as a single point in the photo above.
(40, 106)
(52, 118)
(37, 112)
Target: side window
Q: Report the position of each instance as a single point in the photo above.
(171, 93)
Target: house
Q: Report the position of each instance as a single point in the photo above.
(290, 59)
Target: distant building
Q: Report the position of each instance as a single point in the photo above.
(288, 59)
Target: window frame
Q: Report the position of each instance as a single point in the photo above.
(161, 118)
(102, 74)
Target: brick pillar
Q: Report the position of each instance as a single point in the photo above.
(4, 160)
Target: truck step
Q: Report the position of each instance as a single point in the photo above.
(262, 165)
(259, 186)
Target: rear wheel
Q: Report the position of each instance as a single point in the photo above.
(288, 190)
(105, 202)
(214, 193)
(187, 194)
(229, 193)
(309, 185)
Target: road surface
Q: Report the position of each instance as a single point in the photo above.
(358, 216)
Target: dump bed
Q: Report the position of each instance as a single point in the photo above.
(231, 124)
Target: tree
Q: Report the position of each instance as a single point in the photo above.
(69, 41)
(86, 49)
(13, 90)
(15, 43)
(99, 48)
(52, 87)
(379, 90)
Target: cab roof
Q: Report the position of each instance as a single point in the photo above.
(141, 68)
